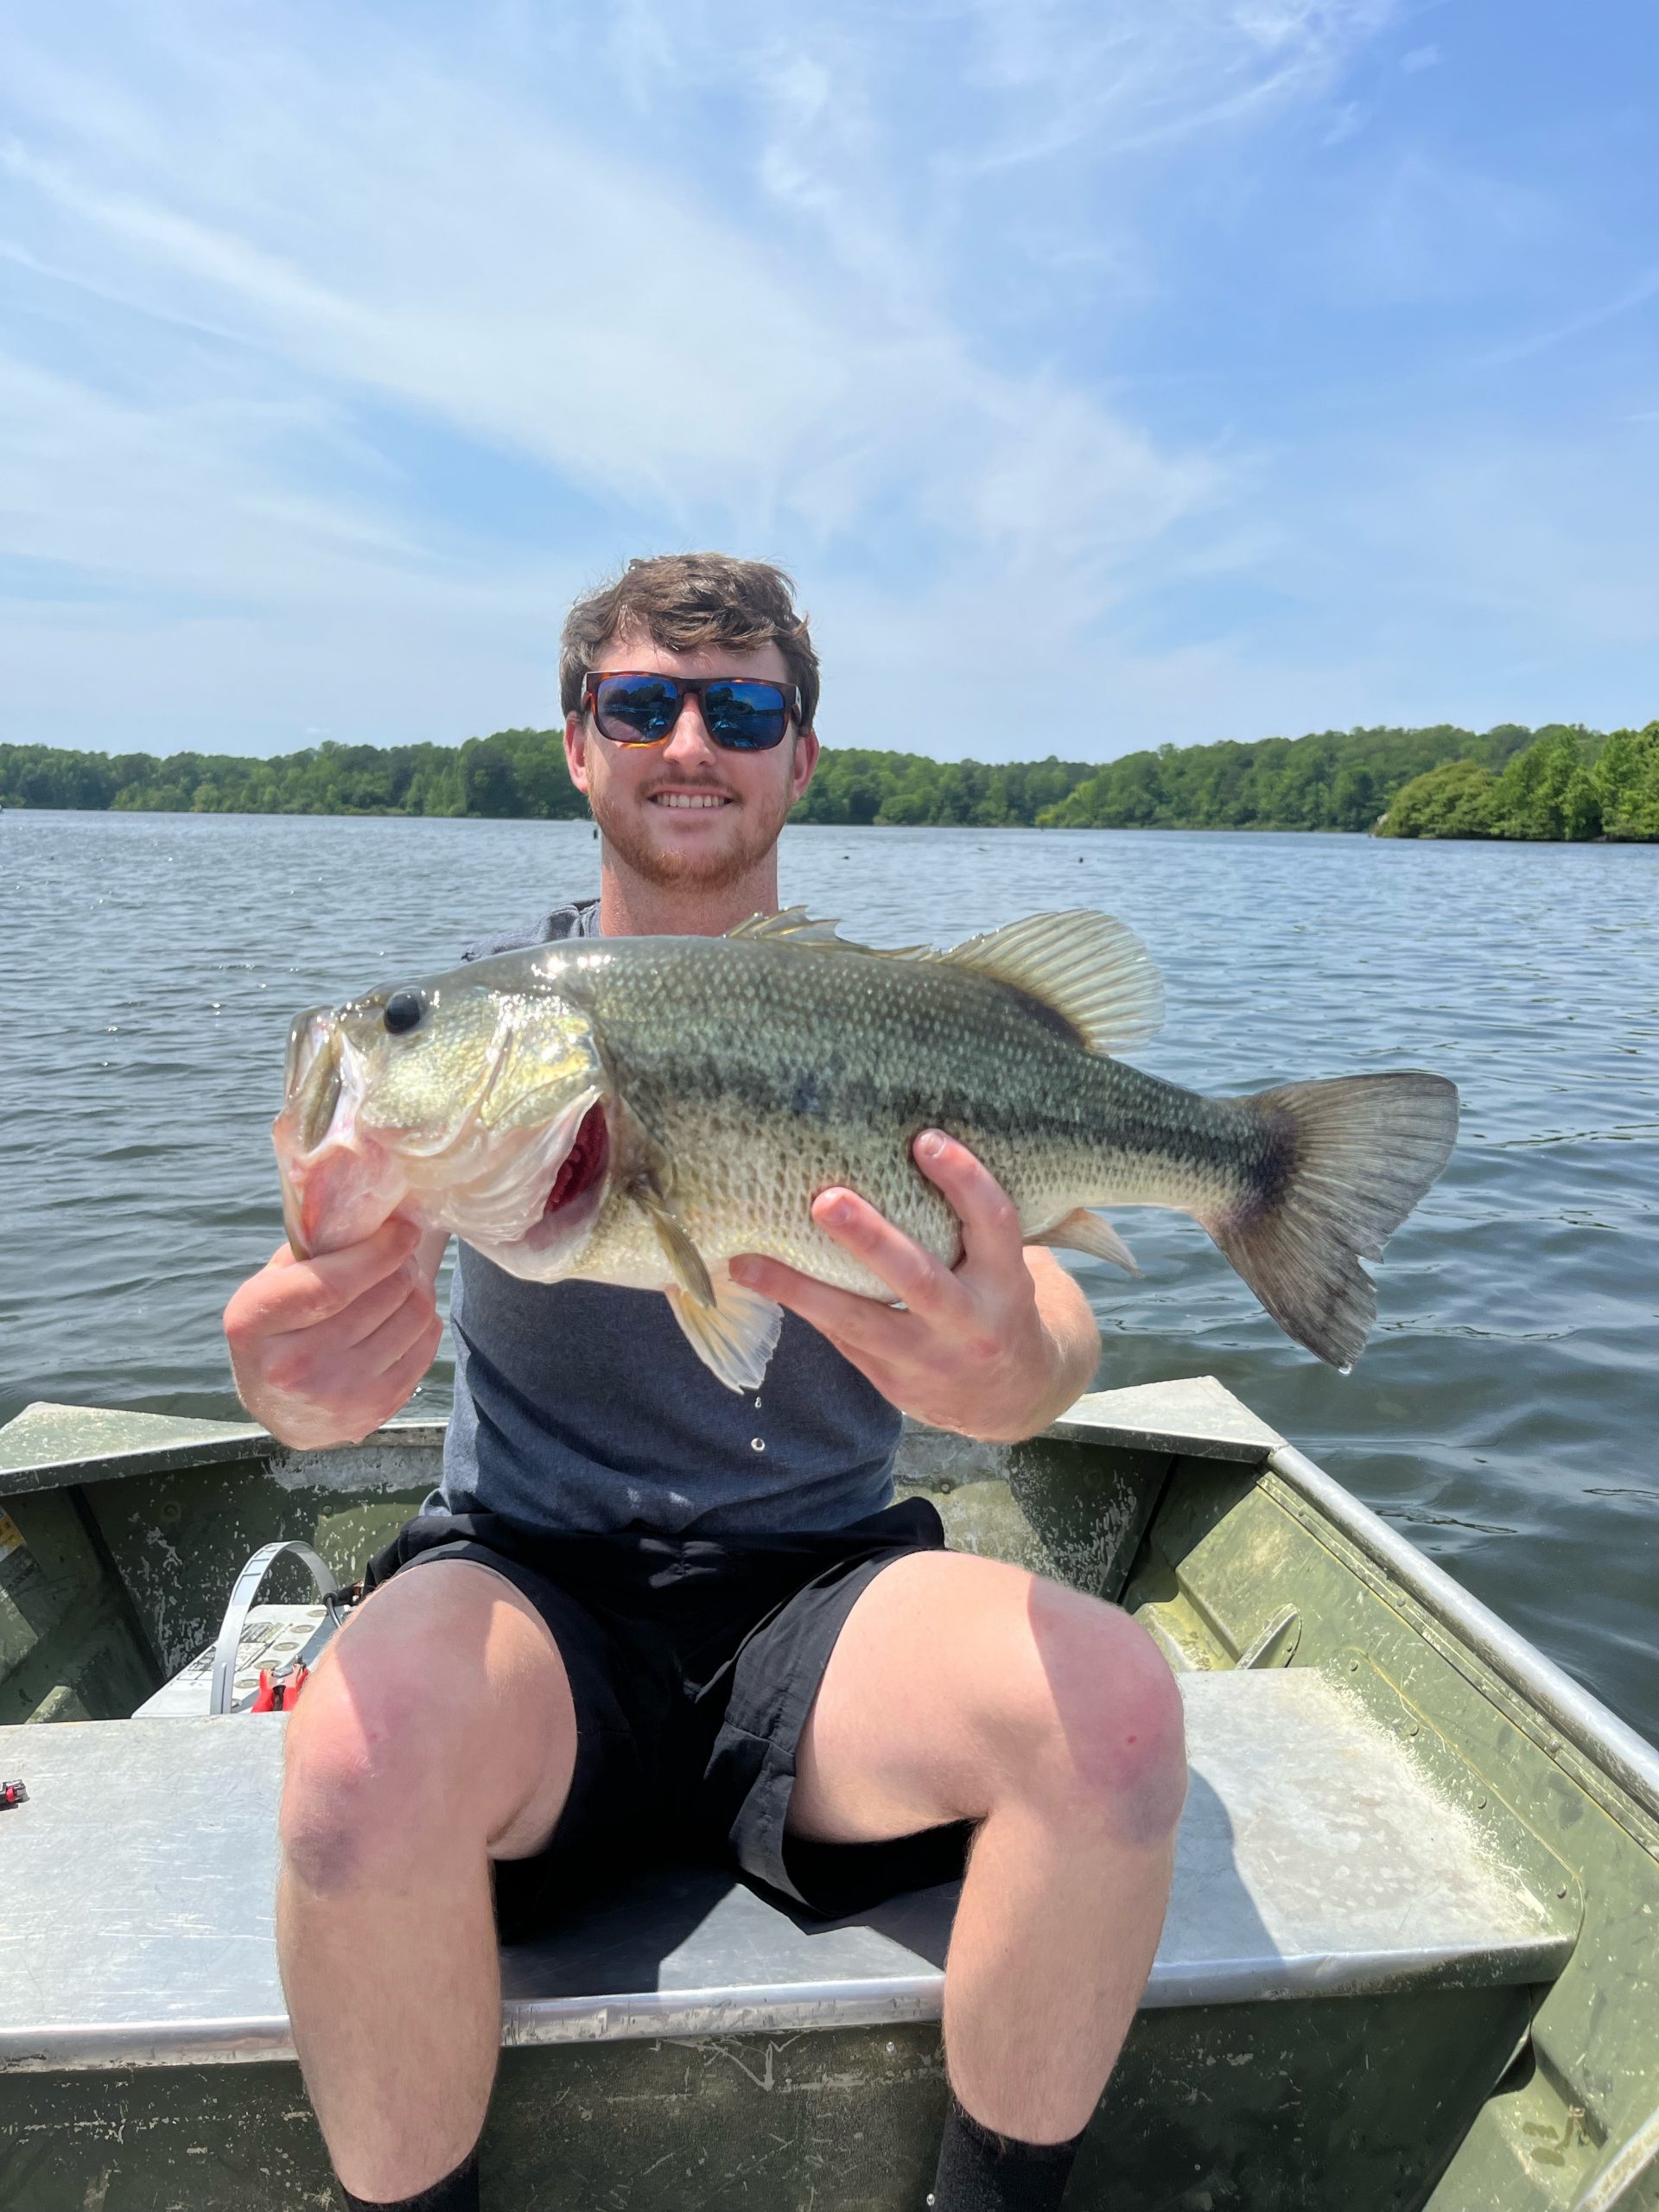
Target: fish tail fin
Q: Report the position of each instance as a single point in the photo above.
(1347, 1162)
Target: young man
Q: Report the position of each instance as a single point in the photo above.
(617, 1617)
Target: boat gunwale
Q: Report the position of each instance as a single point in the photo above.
(1578, 1716)
(1208, 1422)
(793, 2008)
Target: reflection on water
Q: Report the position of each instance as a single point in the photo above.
(1505, 1410)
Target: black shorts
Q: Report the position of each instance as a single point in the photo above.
(693, 1662)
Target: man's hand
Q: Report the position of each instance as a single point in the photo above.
(996, 1347)
(323, 1350)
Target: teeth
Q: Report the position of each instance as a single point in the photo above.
(688, 798)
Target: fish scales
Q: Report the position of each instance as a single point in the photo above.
(895, 1049)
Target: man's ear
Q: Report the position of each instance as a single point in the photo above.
(805, 761)
(575, 750)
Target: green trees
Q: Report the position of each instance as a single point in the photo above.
(1627, 780)
(515, 772)
(1451, 801)
(1560, 782)
(1334, 779)
(901, 789)
(1546, 792)
(1568, 785)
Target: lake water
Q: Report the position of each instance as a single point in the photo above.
(1504, 1415)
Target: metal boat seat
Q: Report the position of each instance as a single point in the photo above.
(1314, 1861)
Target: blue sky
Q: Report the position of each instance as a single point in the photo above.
(1108, 372)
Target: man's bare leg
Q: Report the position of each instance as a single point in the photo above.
(961, 1688)
(437, 1731)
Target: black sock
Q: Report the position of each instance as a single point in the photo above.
(456, 2192)
(980, 2171)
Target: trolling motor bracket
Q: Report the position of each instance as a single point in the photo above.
(336, 1601)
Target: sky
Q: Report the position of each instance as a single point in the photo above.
(1108, 372)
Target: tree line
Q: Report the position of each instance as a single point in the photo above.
(1569, 787)
(1442, 781)
(515, 772)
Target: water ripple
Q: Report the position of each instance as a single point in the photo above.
(1505, 1412)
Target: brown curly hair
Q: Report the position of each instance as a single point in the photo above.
(686, 601)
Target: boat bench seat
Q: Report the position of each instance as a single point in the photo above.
(1313, 1860)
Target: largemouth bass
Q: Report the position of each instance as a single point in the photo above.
(637, 1110)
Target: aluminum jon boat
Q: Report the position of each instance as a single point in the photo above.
(1410, 1960)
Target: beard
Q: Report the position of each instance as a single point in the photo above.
(752, 828)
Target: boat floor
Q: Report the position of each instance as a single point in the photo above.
(1315, 1860)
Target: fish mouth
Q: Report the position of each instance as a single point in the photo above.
(529, 1195)
(339, 1186)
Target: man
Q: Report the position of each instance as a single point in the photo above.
(618, 1616)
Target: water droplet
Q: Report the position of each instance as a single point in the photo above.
(757, 1444)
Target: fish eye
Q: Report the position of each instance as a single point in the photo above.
(403, 1011)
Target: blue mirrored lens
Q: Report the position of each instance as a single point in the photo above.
(749, 717)
(644, 707)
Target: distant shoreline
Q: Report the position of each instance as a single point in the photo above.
(1562, 784)
(393, 815)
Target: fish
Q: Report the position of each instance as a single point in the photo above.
(637, 1110)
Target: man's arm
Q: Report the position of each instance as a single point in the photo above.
(996, 1347)
(323, 1350)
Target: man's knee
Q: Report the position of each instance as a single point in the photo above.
(364, 1773)
(1109, 1743)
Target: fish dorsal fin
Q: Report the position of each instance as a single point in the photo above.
(1089, 969)
(796, 925)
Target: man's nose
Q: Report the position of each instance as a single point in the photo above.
(689, 742)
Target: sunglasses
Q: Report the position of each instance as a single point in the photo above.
(639, 708)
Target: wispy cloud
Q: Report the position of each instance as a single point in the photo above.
(1637, 294)
(338, 345)
(446, 248)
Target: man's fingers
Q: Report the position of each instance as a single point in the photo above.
(390, 1392)
(359, 1321)
(909, 1273)
(990, 1220)
(849, 1321)
(405, 1375)
(304, 1292)
(411, 1325)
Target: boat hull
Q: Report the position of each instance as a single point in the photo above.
(1472, 2079)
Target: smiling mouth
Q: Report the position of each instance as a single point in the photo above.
(690, 802)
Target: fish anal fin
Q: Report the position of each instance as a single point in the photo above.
(1090, 969)
(690, 1271)
(736, 1336)
(1083, 1232)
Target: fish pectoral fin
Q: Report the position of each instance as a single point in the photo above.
(1083, 1232)
(1090, 969)
(690, 1271)
(735, 1336)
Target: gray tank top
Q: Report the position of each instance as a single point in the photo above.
(579, 1406)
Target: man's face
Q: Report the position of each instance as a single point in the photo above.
(687, 814)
